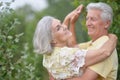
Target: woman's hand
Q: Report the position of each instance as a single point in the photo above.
(51, 77)
(73, 16)
(76, 14)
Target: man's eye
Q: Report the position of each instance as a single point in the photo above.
(94, 19)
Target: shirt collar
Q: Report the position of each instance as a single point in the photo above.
(102, 38)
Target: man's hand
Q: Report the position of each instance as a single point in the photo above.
(113, 37)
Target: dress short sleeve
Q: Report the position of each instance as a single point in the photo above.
(74, 58)
(65, 62)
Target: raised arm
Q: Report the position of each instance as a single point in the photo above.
(95, 56)
(71, 20)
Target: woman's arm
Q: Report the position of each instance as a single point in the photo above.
(95, 56)
(50, 76)
(74, 15)
(87, 75)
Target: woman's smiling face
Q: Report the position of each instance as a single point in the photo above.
(60, 32)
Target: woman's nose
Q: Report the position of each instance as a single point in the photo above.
(64, 28)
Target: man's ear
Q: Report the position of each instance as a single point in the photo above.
(107, 25)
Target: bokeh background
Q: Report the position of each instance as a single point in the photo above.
(18, 20)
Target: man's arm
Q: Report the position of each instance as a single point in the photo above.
(95, 56)
(88, 75)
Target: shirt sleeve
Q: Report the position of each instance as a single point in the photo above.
(70, 62)
(74, 59)
(78, 62)
(103, 68)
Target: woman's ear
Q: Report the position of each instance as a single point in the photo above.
(53, 42)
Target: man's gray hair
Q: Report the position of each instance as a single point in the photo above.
(107, 12)
(42, 36)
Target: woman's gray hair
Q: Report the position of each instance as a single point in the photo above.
(42, 36)
(107, 12)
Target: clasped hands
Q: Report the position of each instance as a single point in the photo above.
(74, 15)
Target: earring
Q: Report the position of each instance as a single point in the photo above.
(53, 42)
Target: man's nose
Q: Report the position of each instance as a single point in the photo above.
(88, 22)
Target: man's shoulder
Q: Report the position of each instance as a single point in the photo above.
(99, 42)
(101, 39)
(84, 45)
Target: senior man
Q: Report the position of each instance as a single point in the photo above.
(98, 20)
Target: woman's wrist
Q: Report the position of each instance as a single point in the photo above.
(72, 24)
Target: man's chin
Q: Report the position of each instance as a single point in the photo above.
(90, 33)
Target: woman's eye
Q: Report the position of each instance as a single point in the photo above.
(58, 28)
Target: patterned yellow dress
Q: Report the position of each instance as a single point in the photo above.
(64, 62)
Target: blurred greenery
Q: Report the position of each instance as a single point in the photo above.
(17, 59)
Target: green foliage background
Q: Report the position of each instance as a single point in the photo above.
(17, 59)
